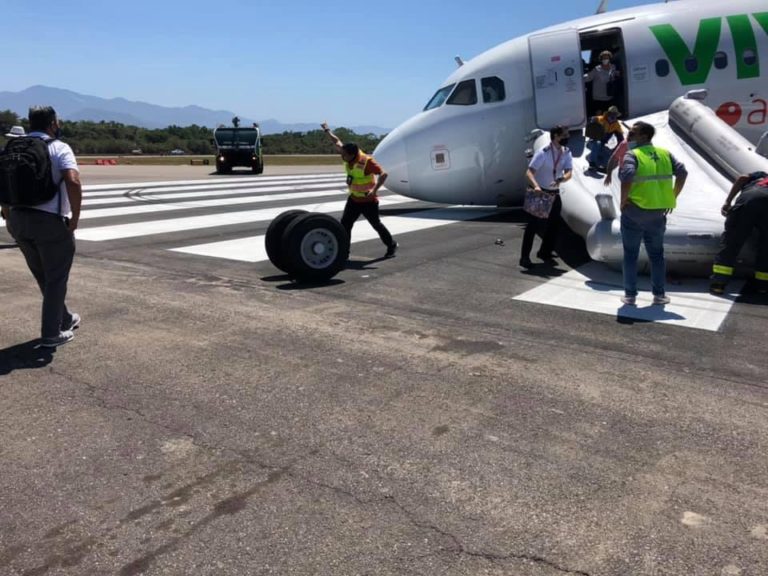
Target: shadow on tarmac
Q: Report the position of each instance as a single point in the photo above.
(26, 356)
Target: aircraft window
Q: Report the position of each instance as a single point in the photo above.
(465, 94)
(721, 60)
(439, 98)
(750, 58)
(493, 89)
(662, 68)
(691, 63)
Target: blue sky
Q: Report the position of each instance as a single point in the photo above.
(349, 62)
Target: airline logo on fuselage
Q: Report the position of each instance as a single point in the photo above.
(693, 66)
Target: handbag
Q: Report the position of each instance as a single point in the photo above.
(538, 204)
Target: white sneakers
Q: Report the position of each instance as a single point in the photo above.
(66, 335)
(63, 337)
(74, 324)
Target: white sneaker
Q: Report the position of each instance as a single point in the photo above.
(75, 324)
(629, 300)
(661, 300)
(63, 337)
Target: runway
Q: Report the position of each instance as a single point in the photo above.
(226, 218)
(440, 412)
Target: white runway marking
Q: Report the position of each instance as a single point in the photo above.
(146, 196)
(102, 233)
(159, 205)
(225, 181)
(596, 288)
(251, 249)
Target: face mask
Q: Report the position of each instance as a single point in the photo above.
(57, 132)
(563, 141)
(612, 119)
(632, 145)
(606, 62)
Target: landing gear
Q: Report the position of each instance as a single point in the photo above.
(313, 247)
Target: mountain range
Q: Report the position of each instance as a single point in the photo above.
(73, 106)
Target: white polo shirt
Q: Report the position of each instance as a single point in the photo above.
(549, 164)
(62, 158)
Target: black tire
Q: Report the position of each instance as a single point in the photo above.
(223, 168)
(273, 239)
(257, 168)
(315, 247)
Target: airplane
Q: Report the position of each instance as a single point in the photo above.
(468, 145)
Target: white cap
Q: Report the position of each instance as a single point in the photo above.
(16, 132)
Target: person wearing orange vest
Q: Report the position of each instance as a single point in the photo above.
(364, 178)
(651, 179)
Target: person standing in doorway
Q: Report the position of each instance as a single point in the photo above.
(45, 232)
(603, 76)
(364, 178)
(651, 180)
(550, 166)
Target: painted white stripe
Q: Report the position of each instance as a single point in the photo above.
(596, 288)
(223, 179)
(203, 185)
(150, 205)
(117, 231)
(252, 249)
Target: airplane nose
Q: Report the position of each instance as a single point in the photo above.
(391, 154)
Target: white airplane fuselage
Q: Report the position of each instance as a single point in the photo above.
(474, 153)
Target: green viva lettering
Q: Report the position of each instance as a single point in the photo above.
(693, 67)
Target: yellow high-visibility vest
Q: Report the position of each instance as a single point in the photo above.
(358, 181)
(652, 187)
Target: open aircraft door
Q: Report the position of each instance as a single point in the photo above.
(558, 79)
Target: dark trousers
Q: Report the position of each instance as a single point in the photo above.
(548, 228)
(370, 210)
(739, 224)
(49, 248)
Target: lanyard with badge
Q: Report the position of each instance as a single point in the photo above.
(555, 162)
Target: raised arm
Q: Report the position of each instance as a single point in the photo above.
(336, 140)
(735, 189)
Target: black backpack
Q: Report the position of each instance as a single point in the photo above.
(26, 177)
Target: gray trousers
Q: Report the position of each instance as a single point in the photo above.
(49, 248)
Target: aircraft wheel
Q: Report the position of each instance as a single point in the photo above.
(315, 247)
(273, 239)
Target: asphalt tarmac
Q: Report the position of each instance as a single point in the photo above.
(410, 417)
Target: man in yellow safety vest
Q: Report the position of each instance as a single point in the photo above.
(648, 193)
(364, 178)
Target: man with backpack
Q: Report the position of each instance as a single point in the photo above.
(40, 195)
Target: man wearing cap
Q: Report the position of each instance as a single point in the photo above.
(602, 78)
(611, 127)
(45, 232)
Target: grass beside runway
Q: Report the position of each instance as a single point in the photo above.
(269, 160)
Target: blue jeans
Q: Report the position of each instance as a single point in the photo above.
(647, 226)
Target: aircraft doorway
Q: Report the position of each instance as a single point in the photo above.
(593, 45)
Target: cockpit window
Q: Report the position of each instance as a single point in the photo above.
(439, 98)
(493, 89)
(465, 94)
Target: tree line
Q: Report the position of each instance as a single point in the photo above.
(87, 137)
